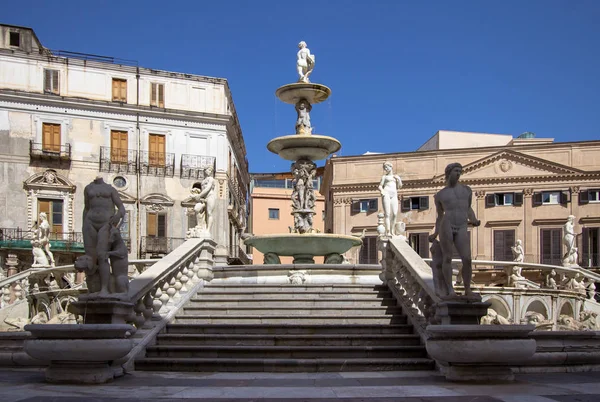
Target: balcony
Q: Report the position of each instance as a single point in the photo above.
(118, 160)
(237, 256)
(156, 246)
(192, 166)
(17, 238)
(157, 163)
(60, 153)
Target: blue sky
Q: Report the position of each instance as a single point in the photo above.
(399, 70)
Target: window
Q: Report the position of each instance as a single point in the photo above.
(51, 81)
(368, 251)
(119, 90)
(414, 203)
(51, 137)
(156, 147)
(502, 199)
(551, 246)
(590, 255)
(118, 146)
(273, 213)
(365, 205)
(420, 243)
(503, 241)
(587, 196)
(119, 182)
(157, 95)
(550, 198)
(54, 212)
(15, 39)
(156, 225)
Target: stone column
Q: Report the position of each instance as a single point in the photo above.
(575, 212)
(528, 228)
(479, 232)
(12, 264)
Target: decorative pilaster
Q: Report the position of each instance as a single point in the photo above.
(478, 232)
(529, 235)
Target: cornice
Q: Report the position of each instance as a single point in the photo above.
(589, 219)
(549, 221)
(508, 222)
(419, 226)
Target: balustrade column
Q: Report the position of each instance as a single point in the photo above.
(12, 293)
(479, 232)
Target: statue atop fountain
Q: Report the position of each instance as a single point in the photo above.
(305, 62)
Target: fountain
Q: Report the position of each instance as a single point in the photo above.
(303, 148)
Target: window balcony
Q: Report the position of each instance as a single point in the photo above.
(49, 152)
(192, 166)
(158, 245)
(118, 160)
(17, 238)
(157, 163)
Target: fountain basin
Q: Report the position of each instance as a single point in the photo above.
(293, 93)
(303, 247)
(298, 146)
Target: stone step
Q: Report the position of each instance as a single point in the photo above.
(286, 319)
(340, 339)
(266, 293)
(282, 365)
(290, 302)
(284, 329)
(292, 310)
(237, 287)
(286, 352)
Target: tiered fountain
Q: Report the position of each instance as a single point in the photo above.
(303, 148)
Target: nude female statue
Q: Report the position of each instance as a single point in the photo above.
(569, 236)
(208, 195)
(43, 236)
(454, 212)
(388, 187)
(305, 63)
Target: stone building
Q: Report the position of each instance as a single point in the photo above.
(523, 188)
(68, 117)
(271, 207)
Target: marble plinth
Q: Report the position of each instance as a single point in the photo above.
(79, 353)
(312, 93)
(297, 146)
(102, 311)
(479, 352)
(461, 310)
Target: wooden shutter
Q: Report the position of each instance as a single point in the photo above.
(119, 90)
(151, 224)
(584, 197)
(551, 249)
(156, 148)
(47, 80)
(373, 205)
(368, 251)
(406, 204)
(44, 206)
(503, 241)
(161, 227)
(118, 146)
(536, 199)
(153, 94)
(518, 199)
(585, 247)
(55, 83)
(355, 207)
(161, 95)
(423, 202)
(490, 200)
(56, 218)
(51, 137)
(564, 197)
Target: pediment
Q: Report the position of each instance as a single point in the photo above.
(511, 165)
(157, 199)
(49, 180)
(126, 198)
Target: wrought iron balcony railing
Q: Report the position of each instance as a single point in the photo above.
(17, 238)
(192, 166)
(118, 160)
(49, 151)
(157, 163)
(160, 245)
(237, 256)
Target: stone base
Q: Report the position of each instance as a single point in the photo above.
(477, 373)
(102, 311)
(461, 310)
(68, 372)
(303, 259)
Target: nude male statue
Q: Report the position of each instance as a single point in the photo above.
(454, 212)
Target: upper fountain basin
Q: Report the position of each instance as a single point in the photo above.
(293, 93)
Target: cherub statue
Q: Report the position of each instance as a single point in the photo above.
(303, 109)
(550, 281)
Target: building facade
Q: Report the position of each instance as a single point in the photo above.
(271, 208)
(523, 188)
(66, 118)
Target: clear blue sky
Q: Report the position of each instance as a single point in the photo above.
(399, 70)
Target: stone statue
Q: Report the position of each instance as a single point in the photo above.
(112, 247)
(454, 212)
(442, 275)
(575, 283)
(305, 62)
(388, 187)
(303, 109)
(515, 277)
(591, 289)
(569, 241)
(539, 320)
(206, 201)
(101, 238)
(42, 256)
(518, 253)
(550, 282)
(303, 195)
(493, 318)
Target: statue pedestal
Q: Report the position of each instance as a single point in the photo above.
(79, 353)
(461, 310)
(102, 311)
(479, 352)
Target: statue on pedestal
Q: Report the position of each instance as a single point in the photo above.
(570, 258)
(42, 256)
(303, 109)
(305, 62)
(206, 201)
(388, 187)
(454, 212)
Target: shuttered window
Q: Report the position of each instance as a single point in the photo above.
(156, 224)
(157, 95)
(590, 244)
(119, 90)
(503, 241)
(368, 251)
(550, 246)
(54, 212)
(118, 146)
(51, 81)
(420, 243)
(50, 137)
(156, 147)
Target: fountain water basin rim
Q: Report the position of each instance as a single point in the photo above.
(291, 244)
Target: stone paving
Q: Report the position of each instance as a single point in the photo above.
(409, 386)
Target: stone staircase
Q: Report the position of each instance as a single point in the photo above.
(288, 328)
